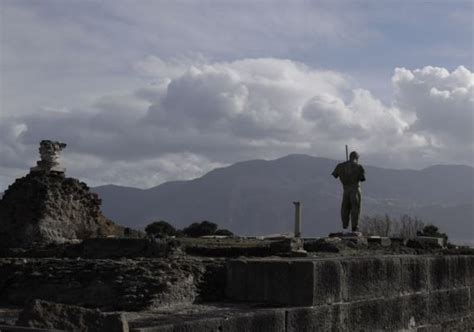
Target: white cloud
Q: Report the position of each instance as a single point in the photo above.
(214, 113)
(443, 104)
(145, 173)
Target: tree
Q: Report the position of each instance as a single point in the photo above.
(224, 232)
(433, 231)
(405, 227)
(377, 225)
(409, 226)
(160, 229)
(200, 229)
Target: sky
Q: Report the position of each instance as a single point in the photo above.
(145, 92)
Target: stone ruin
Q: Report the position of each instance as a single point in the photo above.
(343, 283)
(49, 153)
(46, 207)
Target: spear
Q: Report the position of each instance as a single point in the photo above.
(347, 153)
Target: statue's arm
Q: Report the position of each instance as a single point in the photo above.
(362, 174)
(335, 173)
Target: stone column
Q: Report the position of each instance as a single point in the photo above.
(297, 219)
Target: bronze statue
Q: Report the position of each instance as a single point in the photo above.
(350, 173)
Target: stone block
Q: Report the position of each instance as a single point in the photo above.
(320, 318)
(415, 309)
(301, 283)
(448, 304)
(469, 270)
(189, 325)
(236, 285)
(277, 282)
(415, 274)
(379, 240)
(256, 280)
(329, 244)
(449, 271)
(286, 245)
(430, 241)
(327, 282)
(398, 241)
(371, 277)
(373, 315)
(261, 321)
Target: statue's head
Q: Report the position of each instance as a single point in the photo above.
(51, 146)
(354, 156)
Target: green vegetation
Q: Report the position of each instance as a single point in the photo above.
(163, 229)
(224, 232)
(160, 229)
(432, 230)
(200, 229)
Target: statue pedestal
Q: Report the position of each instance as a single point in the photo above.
(343, 235)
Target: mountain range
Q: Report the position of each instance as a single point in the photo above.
(255, 197)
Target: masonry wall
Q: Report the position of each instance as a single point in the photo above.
(353, 293)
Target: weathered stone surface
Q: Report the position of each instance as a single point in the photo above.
(398, 313)
(331, 244)
(43, 208)
(367, 277)
(379, 240)
(260, 320)
(323, 281)
(125, 247)
(286, 245)
(42, 314)
(453, 303)
(49, 153)
(327, 282)
(429, 240)
(107, 284)
(8, 328)
(236, 285)
(320, 318)
(414, 274)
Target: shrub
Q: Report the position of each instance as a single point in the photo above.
(433, 231)
(200, 229)
(225, 232)
(160, 229)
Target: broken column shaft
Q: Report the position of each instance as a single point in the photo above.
(297, 219)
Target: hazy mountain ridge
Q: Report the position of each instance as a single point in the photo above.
(255, 197)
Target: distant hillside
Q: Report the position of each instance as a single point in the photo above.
(255, 197)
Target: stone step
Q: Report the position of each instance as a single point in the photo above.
(309, 282)
(7, 328)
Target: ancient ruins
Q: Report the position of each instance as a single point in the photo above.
(46, 207)
(49, 153)
(65, 266)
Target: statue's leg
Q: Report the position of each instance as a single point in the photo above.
(345, 209)
(355, 209)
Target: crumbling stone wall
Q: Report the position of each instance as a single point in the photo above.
(43, 208)
(127, 284)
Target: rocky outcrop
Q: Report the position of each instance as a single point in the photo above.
(47, 207)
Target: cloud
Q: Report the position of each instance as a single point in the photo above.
(209, 114)
(443, 104)
(443, 101)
